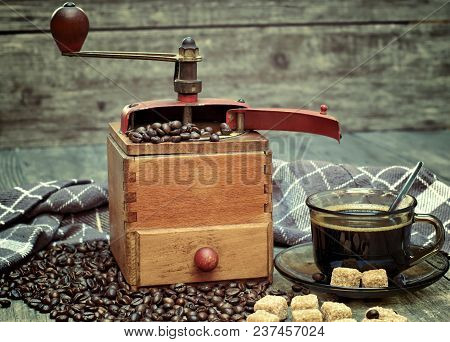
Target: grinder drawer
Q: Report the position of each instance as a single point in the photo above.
(166, 256)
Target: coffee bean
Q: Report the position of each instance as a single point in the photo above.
(232, 291)
(204, 134)
(175, 124)
(53, 314)
(155, 140)
(175, 132)
(180, 301)
(62, 318)
(137, 301)
(225, 129)
(166, 128)
(166, 138)
(4, 303)
(372, 314)
(195, 135)
(156, 125)
(141, 308)
(157, 299)
(169, 301)
(306, 291)
(238, 309)
(180, 288)
(140, 129)
(319, 277)
(208, 130)
(224, 317)
(175, 139)
(236, 317)
(234, 300)
(193, 317)
(135, 137)
(135, 316)
(277, 292)
(151, 132)
(110, 293)
(202, 316)
(14, 294)
(297, 288)
(88, 316)
(185, 136)
(160, 132)
(44, 308)
(146, 137)
(214, 138)
(228, 311)
(195, 129)
(185, 129)
(34, 302)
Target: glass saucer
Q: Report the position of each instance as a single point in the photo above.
(297, 265)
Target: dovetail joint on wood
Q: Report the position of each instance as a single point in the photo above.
(130, 197)
(131, 217)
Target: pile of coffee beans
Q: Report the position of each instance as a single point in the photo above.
(175, 131)
(83, 283)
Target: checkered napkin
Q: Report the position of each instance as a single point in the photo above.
(293, 182)
(32, 216)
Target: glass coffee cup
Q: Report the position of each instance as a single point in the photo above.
(353, 228)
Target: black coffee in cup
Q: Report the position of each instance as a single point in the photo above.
(364, 248)
(353, 228)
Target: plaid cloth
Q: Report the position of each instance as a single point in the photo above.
(293, 182)
(32, 216)
(73, 211)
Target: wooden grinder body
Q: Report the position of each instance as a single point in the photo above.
(169, 200)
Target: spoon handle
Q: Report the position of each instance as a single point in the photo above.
(405, 189)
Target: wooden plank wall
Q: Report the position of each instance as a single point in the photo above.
(271, 53)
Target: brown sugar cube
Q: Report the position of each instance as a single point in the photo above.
(374, 278)
(347, 277)
(379, 314)
(276, 305)
(304, 302)
(333, 311)
(346, 320)
(262, 316)
(307, 315)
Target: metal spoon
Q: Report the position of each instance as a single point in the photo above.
(405, 189)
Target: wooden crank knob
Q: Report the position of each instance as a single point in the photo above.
(69, 26)
(206, 259)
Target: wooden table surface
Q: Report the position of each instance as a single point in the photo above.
(18, 166)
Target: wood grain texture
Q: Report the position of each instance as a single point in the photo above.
(167, 256)
(67, 100)
(30, 15)
(118, 241)
(248, 142)
(204, 190)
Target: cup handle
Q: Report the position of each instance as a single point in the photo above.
(439, 241)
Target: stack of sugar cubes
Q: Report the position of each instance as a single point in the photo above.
(306, 309)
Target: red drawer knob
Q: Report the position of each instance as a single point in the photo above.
(206, 259)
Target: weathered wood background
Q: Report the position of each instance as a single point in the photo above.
(271, 53)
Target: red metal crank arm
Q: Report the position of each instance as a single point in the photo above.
(284, 119)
